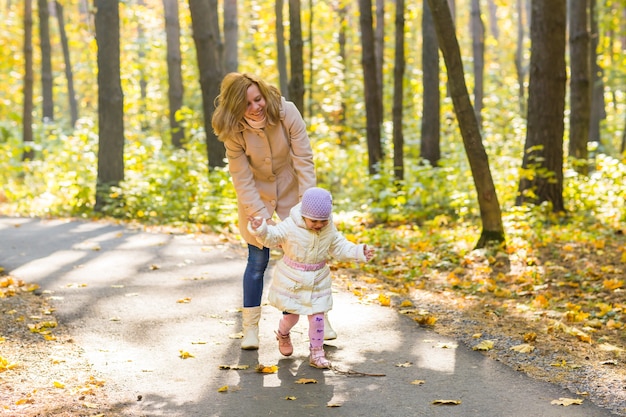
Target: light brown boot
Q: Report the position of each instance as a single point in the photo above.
(284, 344)
(250, 321)
(318, 358)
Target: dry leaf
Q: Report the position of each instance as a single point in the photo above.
(234, 367)
(484, 345)
(185, 300)
(306, 381)
(523, 348)
(333, 405)
(418, 382)
(58, 384)
(566, 401)
(272, 369)
(291, 398)
(447, 402)
(404, 365)
(223, 389)
(185, 355)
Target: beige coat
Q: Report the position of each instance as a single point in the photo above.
(270, 168)
(296, 291)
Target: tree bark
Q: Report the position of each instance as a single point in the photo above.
(398, 95)
(27, 115)
(296, 83)
(580, 85)
(430, 149)
(542, 166)
(231, 36)
(519, 56)
(69, 75)
(598, 110)
(478, 50)
(490, 213)
(206, 36)
(379, 51)
(46, 61)
(110, 102)
(175, 91)
(372, 98)
(280, 50)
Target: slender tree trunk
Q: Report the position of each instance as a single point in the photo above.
(311, 82)
(231, 36)
(142, 116)
(490, 213)
(69, 75)
(542, 166)
(46, 61)
(27, 114)
(398, 95)
(430, 149)
(296, 84)
(598, 111)
(372, 98)
(206, 36)
(493, 19)
(280, 50)
(175, 92)
(478, 49)
(379, 50)
(519, 56)
(110, 102)
(580, 84)
(342, 12)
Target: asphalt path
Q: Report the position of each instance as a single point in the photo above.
(133, 300)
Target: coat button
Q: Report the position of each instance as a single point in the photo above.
(273, 203)
(268, 160)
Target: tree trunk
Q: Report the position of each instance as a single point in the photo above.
(27, 114)
(379, 50)
(280, 50)
(490, 213)
(431, 122)
(493, 19)
(231, 36)
(580, 85)
(141, 66)
(398, 95)
(175, 91)
(206, 36)
(69, 75)
(46, 61)
(542, 166)
(110, 102)
(519, 56)
(598, 111)
(478, 50)
(296, 84)
(342, 12)
(372, 98)
(311, 83)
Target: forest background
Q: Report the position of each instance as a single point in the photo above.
(559, 271)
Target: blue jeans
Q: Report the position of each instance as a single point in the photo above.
(253, 276)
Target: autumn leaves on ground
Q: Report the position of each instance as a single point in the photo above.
(550, 303)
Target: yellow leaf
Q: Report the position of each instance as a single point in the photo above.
(234, 367)
(418, 382)
(530, 337)
(306, 381)
(566, 401)
(477, 335)
(185, 355)
(333, 405)
(223, 389)
(484, 345)
(384, 300)
(291, 398)
(185, 300)
(23, 401)
(266, 369)
(404, 365)
(447, 402)
(613, 284)
(58, 384)
(406, 303)
(523, 348)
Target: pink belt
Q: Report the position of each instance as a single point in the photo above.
(302, 266)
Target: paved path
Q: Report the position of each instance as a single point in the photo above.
(116, 289)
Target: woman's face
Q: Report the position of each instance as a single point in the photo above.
(256, 104)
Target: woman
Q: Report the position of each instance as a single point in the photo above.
(271, 164)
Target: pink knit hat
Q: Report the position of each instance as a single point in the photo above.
(317, 204)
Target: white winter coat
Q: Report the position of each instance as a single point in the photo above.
(294, 290)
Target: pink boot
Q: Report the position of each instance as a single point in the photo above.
(284, 344)
(318, 358)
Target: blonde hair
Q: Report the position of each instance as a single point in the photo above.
(232, 103)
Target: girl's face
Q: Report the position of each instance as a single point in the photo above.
(315, 225)
(256, 104)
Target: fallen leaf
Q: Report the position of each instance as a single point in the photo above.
(291, 398)
(523, 348)
(447, 402)
(404, 365)
(185, 355)
(333, 405)
(484, 345)
(58, 384)
(234, 367)
(185, 300)
(235, 335)
(223, 389)
(272, 369)
(566, 401)
(418, 382)
(306, 381)
(90, 405)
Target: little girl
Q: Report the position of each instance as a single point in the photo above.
(301, 283)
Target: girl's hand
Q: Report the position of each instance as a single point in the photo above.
(255, 222)
(369, 252)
